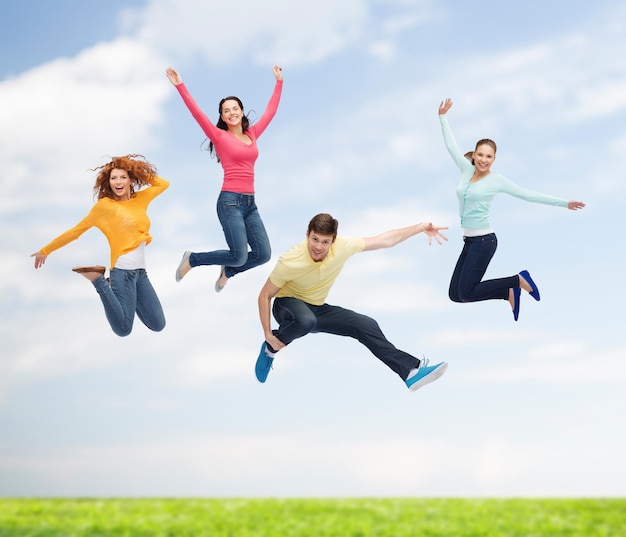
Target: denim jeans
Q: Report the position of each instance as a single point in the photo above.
(242, 225)
(297, 318)
(466, 284)
(130, 292)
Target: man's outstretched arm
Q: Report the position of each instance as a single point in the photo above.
(396, 236)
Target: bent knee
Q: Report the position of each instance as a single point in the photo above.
(307, 324)
(238, 260)
(123, 332)
(260, 257)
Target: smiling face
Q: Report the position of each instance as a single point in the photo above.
(231, 113)
(120, 183)
(319, 245)
(483, 156)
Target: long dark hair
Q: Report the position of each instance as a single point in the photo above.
(245, 122)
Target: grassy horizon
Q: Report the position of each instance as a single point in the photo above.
(348, 517)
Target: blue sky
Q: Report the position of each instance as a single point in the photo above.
(533, 408)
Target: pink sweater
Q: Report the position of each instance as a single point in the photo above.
(237, 158)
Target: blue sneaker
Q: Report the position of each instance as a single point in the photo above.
(263, 364)
(425, 375)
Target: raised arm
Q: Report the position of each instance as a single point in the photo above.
(201, 118)
(265, 301)
(457, 156)
(396, 236)
(444, 106)
(272, 106)
(157, 186)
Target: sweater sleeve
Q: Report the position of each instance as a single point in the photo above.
(201, 118)
(461, 162)
(157, 186)
(270, 110)
(69, 236)
(509, 187)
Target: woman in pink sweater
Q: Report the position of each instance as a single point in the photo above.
(234, 141)
(121, 214)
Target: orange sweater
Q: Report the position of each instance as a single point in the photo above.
(125, 224)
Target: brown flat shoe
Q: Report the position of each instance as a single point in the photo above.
(96, 268)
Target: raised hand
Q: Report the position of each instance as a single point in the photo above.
(173, 76)
(278, 72)
(445, 106)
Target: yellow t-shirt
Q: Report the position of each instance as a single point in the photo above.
(298, 276)
(125, 224)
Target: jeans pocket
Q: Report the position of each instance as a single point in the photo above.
(231, 203)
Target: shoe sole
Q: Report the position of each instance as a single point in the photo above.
(431, 377)
(517, 296)
(95, 268)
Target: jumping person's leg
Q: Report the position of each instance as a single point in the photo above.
(149, 309)
(230, 211)
(256, 236)
(295, 319)
(478, 253)
(344, 322)
(119, 298)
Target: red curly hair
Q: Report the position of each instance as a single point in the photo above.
(140, 171)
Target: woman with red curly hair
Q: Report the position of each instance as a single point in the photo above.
(121, 214)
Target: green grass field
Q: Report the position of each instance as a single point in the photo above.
(312, 517)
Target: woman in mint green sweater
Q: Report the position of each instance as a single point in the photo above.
(476, 190)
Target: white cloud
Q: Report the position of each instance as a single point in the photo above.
(280, 31)
(66, 116)
(272, 32)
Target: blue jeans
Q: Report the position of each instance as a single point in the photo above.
(466, 284)
(242, 225)
(130, 292)
(297, 318)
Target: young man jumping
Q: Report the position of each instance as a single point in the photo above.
(300, 283)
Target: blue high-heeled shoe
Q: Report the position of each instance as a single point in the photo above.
(535, 290)
(517, 292)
